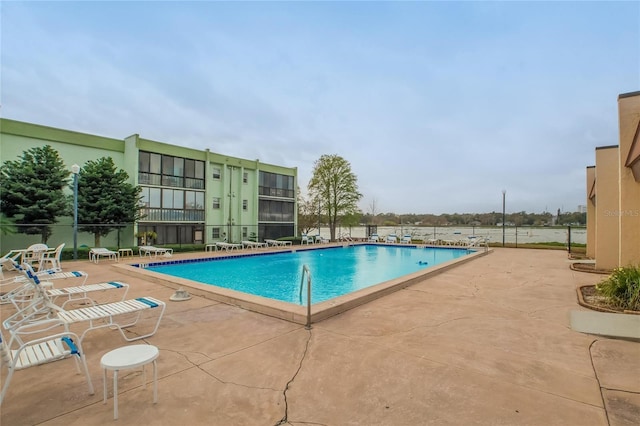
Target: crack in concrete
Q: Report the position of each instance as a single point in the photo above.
(285, 418)
(213, 376)
(595, 373)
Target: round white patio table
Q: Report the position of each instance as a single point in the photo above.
(128, 357)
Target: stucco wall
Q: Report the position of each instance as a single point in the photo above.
(629, 212)
(591, 214)
(607, 206)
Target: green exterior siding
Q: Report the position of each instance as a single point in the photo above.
(232, 189)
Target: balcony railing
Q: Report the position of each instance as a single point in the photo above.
(171, 215)
(172, 181)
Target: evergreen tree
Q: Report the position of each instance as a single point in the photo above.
(106, 200)
(335, 187)
(32, 193)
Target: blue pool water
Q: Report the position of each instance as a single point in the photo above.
(335, 271)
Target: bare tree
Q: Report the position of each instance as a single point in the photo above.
(373, 210)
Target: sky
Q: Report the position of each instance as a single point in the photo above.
(437, 106)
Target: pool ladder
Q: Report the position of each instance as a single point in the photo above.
(307, 272)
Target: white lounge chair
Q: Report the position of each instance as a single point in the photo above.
(155, 251)
(253, 244)
(24, 295)
(19, 286)
(7, 261)
(228, 246)
(391, 238)
(97, 252)
(373, 238)
(277, 243)
(406, 239)
(99, 316)
(19, 354)
(306, 239)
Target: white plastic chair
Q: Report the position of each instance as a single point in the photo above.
(20, 353)
(33, 254)
(52, 258)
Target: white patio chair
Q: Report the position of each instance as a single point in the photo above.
(33, 253)
(21, 352)
(51, 258)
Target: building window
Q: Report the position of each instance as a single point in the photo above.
(216, 173)
(245, 205)
(215, 233)
(245, 232)
(276, 185)
(245, 177)
(216, 202)
(276, 211)
(166, 170)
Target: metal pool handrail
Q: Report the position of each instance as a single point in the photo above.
(305, 268)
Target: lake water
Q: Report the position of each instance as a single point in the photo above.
(512, 235)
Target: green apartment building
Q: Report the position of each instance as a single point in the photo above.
(189, 196)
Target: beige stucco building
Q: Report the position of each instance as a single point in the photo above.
(613, 193)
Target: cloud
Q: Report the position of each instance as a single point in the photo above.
(437, 106)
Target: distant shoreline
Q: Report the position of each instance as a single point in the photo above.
(524, 235)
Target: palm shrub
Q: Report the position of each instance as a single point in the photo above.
(622, 288)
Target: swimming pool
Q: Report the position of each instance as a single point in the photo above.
(293, 311)
(335, 271)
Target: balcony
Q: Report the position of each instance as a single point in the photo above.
(171, 215)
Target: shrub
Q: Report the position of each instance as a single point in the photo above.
(622, 288)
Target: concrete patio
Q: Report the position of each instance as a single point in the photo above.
(487, 342)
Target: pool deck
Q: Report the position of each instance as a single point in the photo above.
(486, 342)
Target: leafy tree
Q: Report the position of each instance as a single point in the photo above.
(105, 199)
(336, 186)
(32, 190)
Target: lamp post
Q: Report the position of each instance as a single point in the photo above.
(504, 193)
(75, 169)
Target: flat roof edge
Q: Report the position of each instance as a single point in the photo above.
(628, 95)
